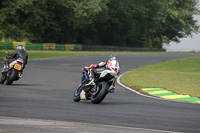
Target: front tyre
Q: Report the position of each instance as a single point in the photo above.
(77, 93)
(11, 78)
(101, 92)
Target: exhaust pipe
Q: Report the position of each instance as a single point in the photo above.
(20, 74)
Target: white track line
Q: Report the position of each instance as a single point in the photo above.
(119, 82)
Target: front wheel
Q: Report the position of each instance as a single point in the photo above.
(77, 93)
(101, 92)
(11, 78)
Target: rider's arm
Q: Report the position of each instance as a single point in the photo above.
(12, 55)
(101, 64)
(26, 61)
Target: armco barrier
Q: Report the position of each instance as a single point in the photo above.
(34, 46)
(117, 48)
(49, 46)
(15, 44)
(60, 47)
(6, 45)
(72, 47)
(78, 47)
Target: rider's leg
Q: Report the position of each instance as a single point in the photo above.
(5, 67)
(91, 75)
(22, 69)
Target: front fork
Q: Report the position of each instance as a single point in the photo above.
(84, 92)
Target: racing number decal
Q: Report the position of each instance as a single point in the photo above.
(109, 65)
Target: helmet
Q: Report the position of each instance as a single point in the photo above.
(20, 47)
(113, 57)
(113, 64)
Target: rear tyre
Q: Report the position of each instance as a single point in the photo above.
(11, 78)
(102, 90)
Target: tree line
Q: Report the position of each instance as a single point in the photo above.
(135, 23)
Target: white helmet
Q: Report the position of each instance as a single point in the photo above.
(20, 47)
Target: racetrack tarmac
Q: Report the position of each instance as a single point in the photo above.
(44, 95)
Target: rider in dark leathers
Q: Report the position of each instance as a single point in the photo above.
(19, 53)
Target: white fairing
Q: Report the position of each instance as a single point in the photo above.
(112, 72)
(82, 95)
(113, 68)
(15, 62)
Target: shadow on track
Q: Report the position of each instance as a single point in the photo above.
(114, 103)
(26, 85)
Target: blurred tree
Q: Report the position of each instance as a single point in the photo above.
(137, 23)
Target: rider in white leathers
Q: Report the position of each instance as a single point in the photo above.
(96, 69)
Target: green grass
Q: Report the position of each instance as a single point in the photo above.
(54, 54)
(34, 55)
(180, 76)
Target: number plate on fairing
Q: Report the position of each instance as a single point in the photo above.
(17, 67)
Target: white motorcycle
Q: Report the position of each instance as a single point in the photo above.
(104, 84)
(13, 73)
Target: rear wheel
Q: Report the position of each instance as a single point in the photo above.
(11, 78)
(101, 92)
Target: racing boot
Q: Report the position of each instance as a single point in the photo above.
(111, 89)
(20, 74)
(5, 69)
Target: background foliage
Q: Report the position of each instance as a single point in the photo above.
(137, 23)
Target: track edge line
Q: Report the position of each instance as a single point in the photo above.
(149, 96)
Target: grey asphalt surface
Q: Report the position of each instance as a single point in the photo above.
(46, 90)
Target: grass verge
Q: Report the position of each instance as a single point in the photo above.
(34, 55)
(179, 76)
